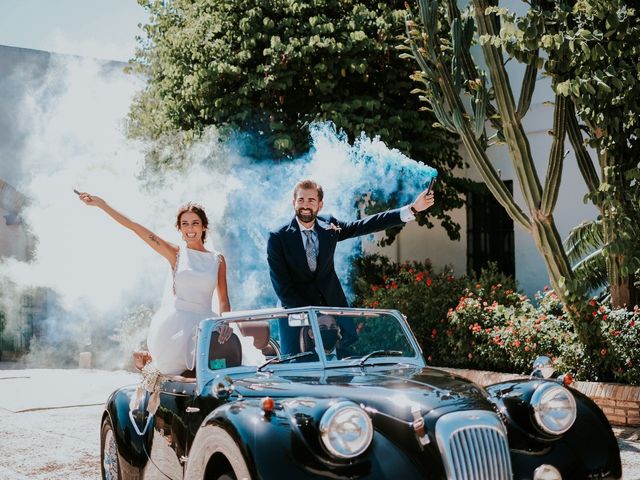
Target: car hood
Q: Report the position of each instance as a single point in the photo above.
(391, 389)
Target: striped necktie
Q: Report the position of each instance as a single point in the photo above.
(310, 250)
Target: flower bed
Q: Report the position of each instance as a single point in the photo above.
(485, 323)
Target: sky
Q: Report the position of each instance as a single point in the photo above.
(104, 29)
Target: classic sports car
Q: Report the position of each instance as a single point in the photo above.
(367, 407)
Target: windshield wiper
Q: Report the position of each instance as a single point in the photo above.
(379, 353)
(284, 359)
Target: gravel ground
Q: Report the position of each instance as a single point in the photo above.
(49, 424)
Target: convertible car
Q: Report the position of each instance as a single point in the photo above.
(357, 406)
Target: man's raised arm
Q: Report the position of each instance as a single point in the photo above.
(390, 218)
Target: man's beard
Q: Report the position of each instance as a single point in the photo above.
(306, 217)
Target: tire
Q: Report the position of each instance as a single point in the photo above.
(227, 476)
(109, 458)
(213, 440)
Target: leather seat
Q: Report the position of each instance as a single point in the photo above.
(259, 330)
(306, 342)
(261, 334)
(224, 355)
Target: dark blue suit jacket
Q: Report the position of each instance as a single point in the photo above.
(297, 286)
(294, 283)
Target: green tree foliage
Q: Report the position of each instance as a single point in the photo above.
(273, 66)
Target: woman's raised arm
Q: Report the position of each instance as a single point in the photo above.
(164, 248)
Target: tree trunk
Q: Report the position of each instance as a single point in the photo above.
(624, 293)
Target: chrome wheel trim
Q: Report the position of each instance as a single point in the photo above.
(110, 457)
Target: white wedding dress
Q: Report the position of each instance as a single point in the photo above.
(171, 337)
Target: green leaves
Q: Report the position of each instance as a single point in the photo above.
(277, 66)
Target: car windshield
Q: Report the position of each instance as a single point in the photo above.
(366, 337)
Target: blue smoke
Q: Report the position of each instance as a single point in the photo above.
(262, 201)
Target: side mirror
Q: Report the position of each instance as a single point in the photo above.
(542, 367)
(298, 319)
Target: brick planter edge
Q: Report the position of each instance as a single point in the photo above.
(620, 403)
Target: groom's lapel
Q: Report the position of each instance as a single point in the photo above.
(323, 229)
(294, 242)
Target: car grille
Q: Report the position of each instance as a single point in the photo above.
(473, 445)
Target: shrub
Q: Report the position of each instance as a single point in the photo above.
(508, 337)
(621, 330)
(424, 296)
(484, 323)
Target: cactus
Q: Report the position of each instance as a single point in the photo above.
(446, 86)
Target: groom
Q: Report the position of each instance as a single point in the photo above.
(300, 255)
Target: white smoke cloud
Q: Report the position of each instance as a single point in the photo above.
(77, 140)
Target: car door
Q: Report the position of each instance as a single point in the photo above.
(169, 445)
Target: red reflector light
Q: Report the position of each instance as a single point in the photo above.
(268, 405)
(567, 379)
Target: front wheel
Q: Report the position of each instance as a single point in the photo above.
(109, 460)
(227, 476)
(215, 452)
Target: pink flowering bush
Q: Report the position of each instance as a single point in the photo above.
(485, 323)
(508, 337)
(423, 295)
(621, 330)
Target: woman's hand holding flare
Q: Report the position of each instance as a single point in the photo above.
(91, 200)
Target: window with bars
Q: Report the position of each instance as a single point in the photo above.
(489, 232)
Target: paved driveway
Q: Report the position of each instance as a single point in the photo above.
(49, 424)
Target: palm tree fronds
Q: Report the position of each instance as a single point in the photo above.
(583, 240)
(592, 270)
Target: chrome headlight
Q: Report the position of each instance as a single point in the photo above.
(346, 430)
(554, 408)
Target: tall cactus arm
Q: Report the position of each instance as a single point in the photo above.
(517, 141)
(443, 116)
(434, 96)
(458, 48)
(491, 178)
(550, 246)
(429, 14)
(477, 153)
(585, 163)
(448, 98)
(481, 101)
(556, 155)
(528, 86)
(468, 65)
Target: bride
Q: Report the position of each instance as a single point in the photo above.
(197, 274)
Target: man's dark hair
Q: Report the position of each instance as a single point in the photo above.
(309, 185)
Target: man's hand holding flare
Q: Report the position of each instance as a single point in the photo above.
(424, 200)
